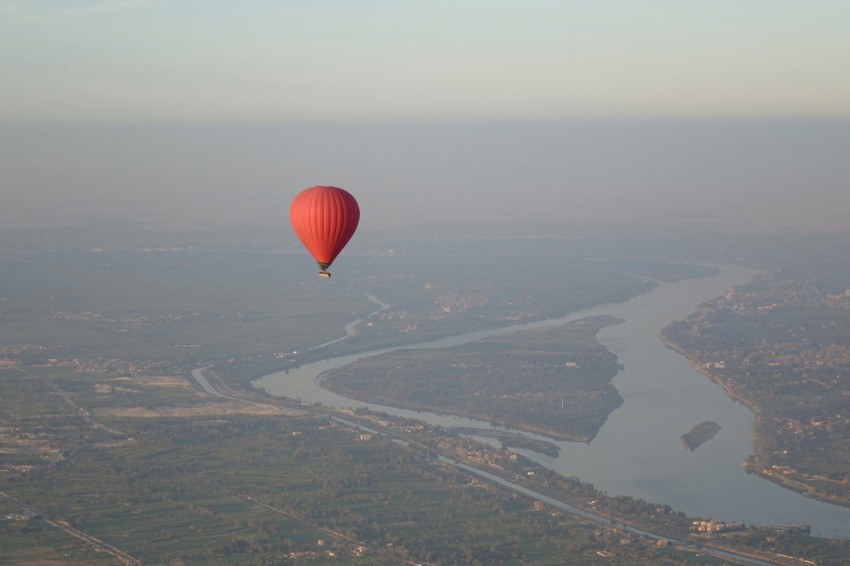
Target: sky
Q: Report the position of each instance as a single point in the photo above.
(734, 113)
(223, 61)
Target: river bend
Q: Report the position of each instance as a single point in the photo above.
(638, 452)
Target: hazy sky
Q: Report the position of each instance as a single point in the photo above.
(261, 60)
(736, 174)
(188, 112)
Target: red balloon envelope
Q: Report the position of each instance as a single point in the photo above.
(324, 219)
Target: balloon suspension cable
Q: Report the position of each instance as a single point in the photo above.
(324, 269)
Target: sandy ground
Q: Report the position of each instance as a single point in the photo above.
(212, 409)
(156, 380)
(216, 408)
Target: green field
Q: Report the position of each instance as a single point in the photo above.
(89, 327)
(183, 492)
(554, 381)
(165, 306)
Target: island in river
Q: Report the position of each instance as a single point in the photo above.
(700, 434)
(781, 345)
(553, 381)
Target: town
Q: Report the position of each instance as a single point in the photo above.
(780, 346)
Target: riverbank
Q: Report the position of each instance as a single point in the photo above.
(698, 367)
(637, 452)
(511, 440)
(551, 433)
(785, 476)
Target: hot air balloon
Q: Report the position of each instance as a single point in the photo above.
(324, 219)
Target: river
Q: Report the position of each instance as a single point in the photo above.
(638, 452)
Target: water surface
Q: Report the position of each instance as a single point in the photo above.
(638, 452)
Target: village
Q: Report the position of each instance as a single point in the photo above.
(779, 345)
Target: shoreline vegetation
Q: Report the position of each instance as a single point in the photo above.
(758, 463)
(511, 440)
(100, 323)
(554, 382)
(313, 487)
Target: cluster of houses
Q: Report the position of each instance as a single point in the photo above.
(711, 526)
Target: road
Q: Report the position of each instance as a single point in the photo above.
(213, 384)
(62, 524)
